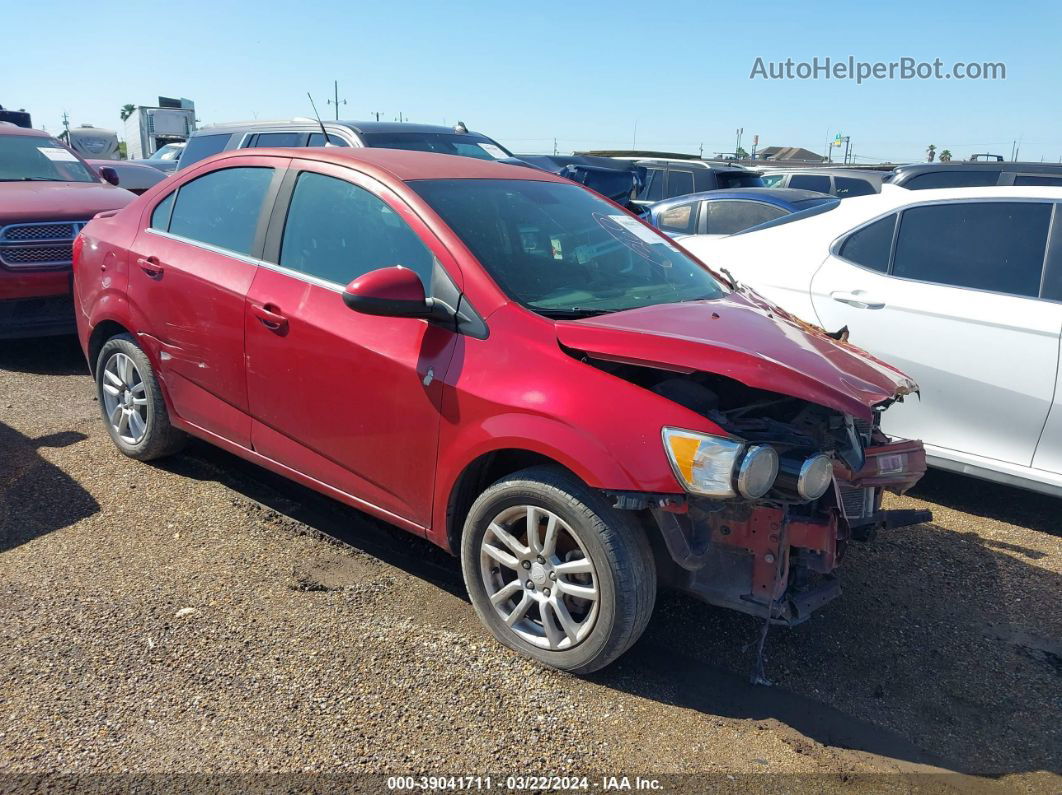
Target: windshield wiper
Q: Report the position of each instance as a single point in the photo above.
(572, 314)
(32, 179)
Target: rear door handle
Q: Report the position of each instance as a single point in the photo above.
(857, 298)
(151, 266)
(270, 317)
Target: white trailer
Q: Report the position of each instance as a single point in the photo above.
(150, 128)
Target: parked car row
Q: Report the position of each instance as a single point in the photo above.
(962, 288)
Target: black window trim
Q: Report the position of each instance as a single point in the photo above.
(1052, 261)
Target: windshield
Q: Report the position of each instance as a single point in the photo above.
(463, 144)
(562, 251)
(33, 158)
(740, 179)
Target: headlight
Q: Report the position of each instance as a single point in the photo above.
(757, 471)
(715, 466)
(809, 477)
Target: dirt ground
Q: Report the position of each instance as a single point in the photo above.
(200, 615)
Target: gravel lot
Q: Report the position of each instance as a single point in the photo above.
(204, 616)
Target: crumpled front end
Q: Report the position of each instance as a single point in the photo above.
(778, 559)
(769, 549)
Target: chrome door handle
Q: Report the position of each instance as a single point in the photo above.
(857, 298)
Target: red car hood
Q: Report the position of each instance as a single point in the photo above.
(741, 338)
(58, 201)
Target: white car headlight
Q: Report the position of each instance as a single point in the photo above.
(715, 466)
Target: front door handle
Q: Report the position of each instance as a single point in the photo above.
(857, 298)
(151, 266)
(270, 317)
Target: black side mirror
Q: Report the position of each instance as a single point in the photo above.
(109, 174)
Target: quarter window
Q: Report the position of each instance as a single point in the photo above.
(222, 208)
(773, 180)
(336, 231)
(200, 147)
(679, 219)
(849, 186)
(817, 182)
(727, 216)
(996, 246)
(160, 216)
(871, 245)
(317, 139)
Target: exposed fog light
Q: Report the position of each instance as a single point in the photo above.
(816, 474)
(757, 472)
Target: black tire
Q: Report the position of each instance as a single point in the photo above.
(618, 549)
(161, 438)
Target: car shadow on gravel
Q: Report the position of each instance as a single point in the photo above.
(43, 356)
(905, 665)
(37, 497)
(997, 501)
(330, 520)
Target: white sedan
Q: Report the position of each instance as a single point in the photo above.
(960, 288)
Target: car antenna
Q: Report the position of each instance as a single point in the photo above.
(318, 115)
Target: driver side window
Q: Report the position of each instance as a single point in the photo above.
(336, 231)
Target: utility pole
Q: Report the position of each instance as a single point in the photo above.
(336, 101)
(700, 152)
(634, 141)
(737, 148)
(554, 147)
(66, 127)
(376, 114)
(400, 119)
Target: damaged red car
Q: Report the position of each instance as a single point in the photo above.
(503, 362)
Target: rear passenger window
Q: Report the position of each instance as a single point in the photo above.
(952, 179)
(725, 217)
(336, 231)
(810, 182)
(850, 186)
(160, 216)
(277, 139)
(679, 183)
(996, 246)
(1038, 179)
(773, 180)
(679, 219)
(222, 208)
(871, 245)
(654, 185)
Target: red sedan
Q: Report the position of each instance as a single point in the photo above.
(503, 362)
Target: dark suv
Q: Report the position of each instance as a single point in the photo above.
(922, 176)
(456, 140)
(667, 178)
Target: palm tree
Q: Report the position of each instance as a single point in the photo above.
(127, 111)
(931, 153)
(945, 156)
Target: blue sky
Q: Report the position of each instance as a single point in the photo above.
(583, 72)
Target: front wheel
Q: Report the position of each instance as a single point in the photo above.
(555, 572)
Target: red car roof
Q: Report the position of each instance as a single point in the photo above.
(402, 164)
(11, 129)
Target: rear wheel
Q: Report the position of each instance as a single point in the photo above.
(131, 402)
(555, 572)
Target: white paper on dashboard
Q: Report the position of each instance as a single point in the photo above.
(57, 154)
(493, 151)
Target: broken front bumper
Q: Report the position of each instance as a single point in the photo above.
(779, 561)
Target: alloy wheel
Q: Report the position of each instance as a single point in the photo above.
(125, 398)
(539, 577)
